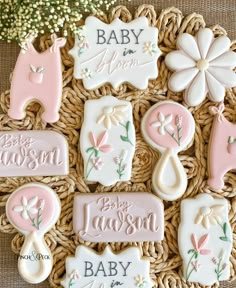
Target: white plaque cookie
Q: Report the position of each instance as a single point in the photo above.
(205, 239)
(116, 53)
(107, 140)
(89, 269)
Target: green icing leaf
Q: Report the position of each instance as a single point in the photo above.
(223, 238)
(225, 227)
(89, 149)
(124, 138)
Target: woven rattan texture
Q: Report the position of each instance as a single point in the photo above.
(166, 270)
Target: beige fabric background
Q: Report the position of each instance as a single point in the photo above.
(221, 12)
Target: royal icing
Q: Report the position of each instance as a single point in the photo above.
(33, 153)
(33, 209)
(202, 64)
(107, 140)
(168, 127)
(205, 239)
(222, 148)
(37, 77)
(90, 269)
(118, 217)
(117, 52)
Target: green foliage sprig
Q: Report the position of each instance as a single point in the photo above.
(20, 19)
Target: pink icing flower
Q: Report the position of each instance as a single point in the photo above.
(97, 163)
(199, 245)
(100, 143)
(196, 265)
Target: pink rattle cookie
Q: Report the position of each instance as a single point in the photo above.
(37, 77)
(222, 148)
(168, 127)
(33, 209)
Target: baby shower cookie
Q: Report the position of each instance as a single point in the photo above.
(90, 269)
(222, 148)
(116, 53)
(205, 239)
(107, 140)
(37, 77)
(118, 217)
(168, 127)
(202, 64)
(33, 209)
(33, 153)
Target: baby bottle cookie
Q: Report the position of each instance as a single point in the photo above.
(116, 53)
(33, 209)
(168, 127)
(37, 77)
(205, 239)
(107, 140)
(90, 269)
(222, 148)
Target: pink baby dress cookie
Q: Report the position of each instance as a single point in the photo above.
(202, 64)
(222, 148)
(37, 77)
(33, 209)
(205, 239)
(168, 127)
(90, 269)
(116, 53)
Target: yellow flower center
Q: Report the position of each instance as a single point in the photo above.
(202, 64)
(205, 211)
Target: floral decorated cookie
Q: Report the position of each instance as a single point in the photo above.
(168, 127)
(116, 53)
(202, 64)
(107, 140)
(205, 239)
(33, 209)
(108, 269)
(222, 148)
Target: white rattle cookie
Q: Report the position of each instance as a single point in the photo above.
(116, 53)
(33, 209)
(168, 127)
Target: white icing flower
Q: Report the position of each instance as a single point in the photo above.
(163, 123)
(209, 215)
(86, 73)
(140, 281)
(112, 115)
(149, 48)
(75, 275)
(27, 207)
(203, 64)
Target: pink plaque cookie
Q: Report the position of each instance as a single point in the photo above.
(33, 209)
(37, 77)
(205, 239)
(118, 217)
(116, 53)
(222, 148)
(33, 153)
(168, 127)
(90, 269)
